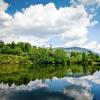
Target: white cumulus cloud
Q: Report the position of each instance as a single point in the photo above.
(38, 23)
(86, 2)
(3, 5)
(44, 21)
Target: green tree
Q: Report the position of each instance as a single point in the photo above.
(17, 51)
(84, 58)
(92, 56)
(60, 56)
(21, 45)
(13, 45)
(1, 44)
(27, 47)
(5, 49)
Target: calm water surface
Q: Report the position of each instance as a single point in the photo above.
(49, 82)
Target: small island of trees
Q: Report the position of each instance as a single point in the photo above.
(23, 53)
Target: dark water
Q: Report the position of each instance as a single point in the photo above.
(49, 82)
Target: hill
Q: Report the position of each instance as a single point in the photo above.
(79, 49)
(76, 49)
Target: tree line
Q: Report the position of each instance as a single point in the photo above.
(23, 52)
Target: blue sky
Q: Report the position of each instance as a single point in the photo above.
(95, 31)
(61, 16)
(19, 4)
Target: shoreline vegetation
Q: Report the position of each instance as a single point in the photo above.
(25, 53)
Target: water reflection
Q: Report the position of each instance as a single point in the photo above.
(66, 88)
(23, 74)
(39, 90)
(78, 92)
(37, 95)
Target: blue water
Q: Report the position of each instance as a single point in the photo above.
(52, 89)
(96, 91)
(65, 88)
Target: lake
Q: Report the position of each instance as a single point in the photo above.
(49, 82)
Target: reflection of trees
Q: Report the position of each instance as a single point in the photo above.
(90, 69)
(75, 68)
(86, 69)
(22, 74)
(95, 68)
(82, 69)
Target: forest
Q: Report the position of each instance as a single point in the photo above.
(24, 53)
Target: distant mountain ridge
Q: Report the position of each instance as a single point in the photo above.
(79, 49)
(76, 49)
